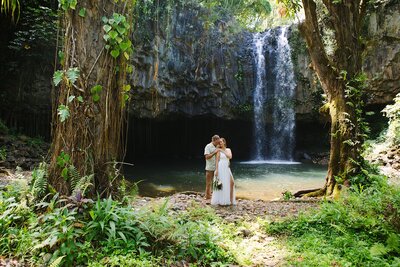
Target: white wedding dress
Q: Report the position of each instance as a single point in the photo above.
(223, 196)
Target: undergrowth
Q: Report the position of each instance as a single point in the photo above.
(360, 229)
(106, 232)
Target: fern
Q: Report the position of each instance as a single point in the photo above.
(74, 176)
(57, 262)
(82, 185)
(39, 181)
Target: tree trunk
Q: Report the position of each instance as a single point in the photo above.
(335, 75)
(92, 135)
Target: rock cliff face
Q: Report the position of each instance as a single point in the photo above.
(188, 70)
(382, 54)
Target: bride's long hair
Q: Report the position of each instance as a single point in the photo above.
(224, 141)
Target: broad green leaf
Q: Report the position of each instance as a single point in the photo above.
(119, 39)
(64, 173)
(125, 45)
(80, 99)
(113, 34)
(121, 30)
(107, 47)
(63, 112)
(73, 4)
(96, 97)
(104, 19)
(106, 37)
(127, 88)
(117, 17)
(121, 234)
(82, 12)
(107, 28)
(66, 157)
(57, 77)
(71, 98)
(114, 53)
(96, 89)
(112, 230)
(127, 26)
(73, 74)
(126, 97)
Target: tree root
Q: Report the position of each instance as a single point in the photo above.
(319, 192)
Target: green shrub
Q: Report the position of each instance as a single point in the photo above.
(80, 232)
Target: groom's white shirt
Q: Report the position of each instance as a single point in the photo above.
(210, 163)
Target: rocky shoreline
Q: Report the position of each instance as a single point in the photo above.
(245, 209)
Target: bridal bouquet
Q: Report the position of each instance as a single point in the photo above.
(217, 184)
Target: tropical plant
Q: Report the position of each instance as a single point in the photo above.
(39, 182)
(11, 7)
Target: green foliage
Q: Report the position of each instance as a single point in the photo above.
(3, 153)
(107, 233)
(63, 112)
(68, 4)
(116, 35)
(37, 30)
(249, 13)
(292, 6)
(287, 195)
(63, 161)
(70, 76)
(393, 113)
(82, 12)
(360, 229)
(39, 183)
(10, 7)
(95, 91)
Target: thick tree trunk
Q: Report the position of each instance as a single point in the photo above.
(346, 20)
(92, 135)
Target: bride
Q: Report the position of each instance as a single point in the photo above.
(225, 195)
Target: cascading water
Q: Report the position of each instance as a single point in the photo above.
(274, 115)
(259, 96)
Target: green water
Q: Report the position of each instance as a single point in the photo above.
(253, 181)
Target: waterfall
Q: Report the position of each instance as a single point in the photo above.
(274, 114)
(259, 96)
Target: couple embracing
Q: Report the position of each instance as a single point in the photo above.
(218, 173)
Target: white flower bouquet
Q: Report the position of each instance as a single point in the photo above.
(217, 184)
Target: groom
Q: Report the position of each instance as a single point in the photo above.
(209, 152)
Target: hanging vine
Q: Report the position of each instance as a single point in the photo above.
(92, 91)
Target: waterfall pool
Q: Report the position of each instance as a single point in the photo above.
(254, 180)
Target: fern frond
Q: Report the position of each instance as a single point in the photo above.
(39, 181)
(83, 183)
(74, 176)
(57, 262)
